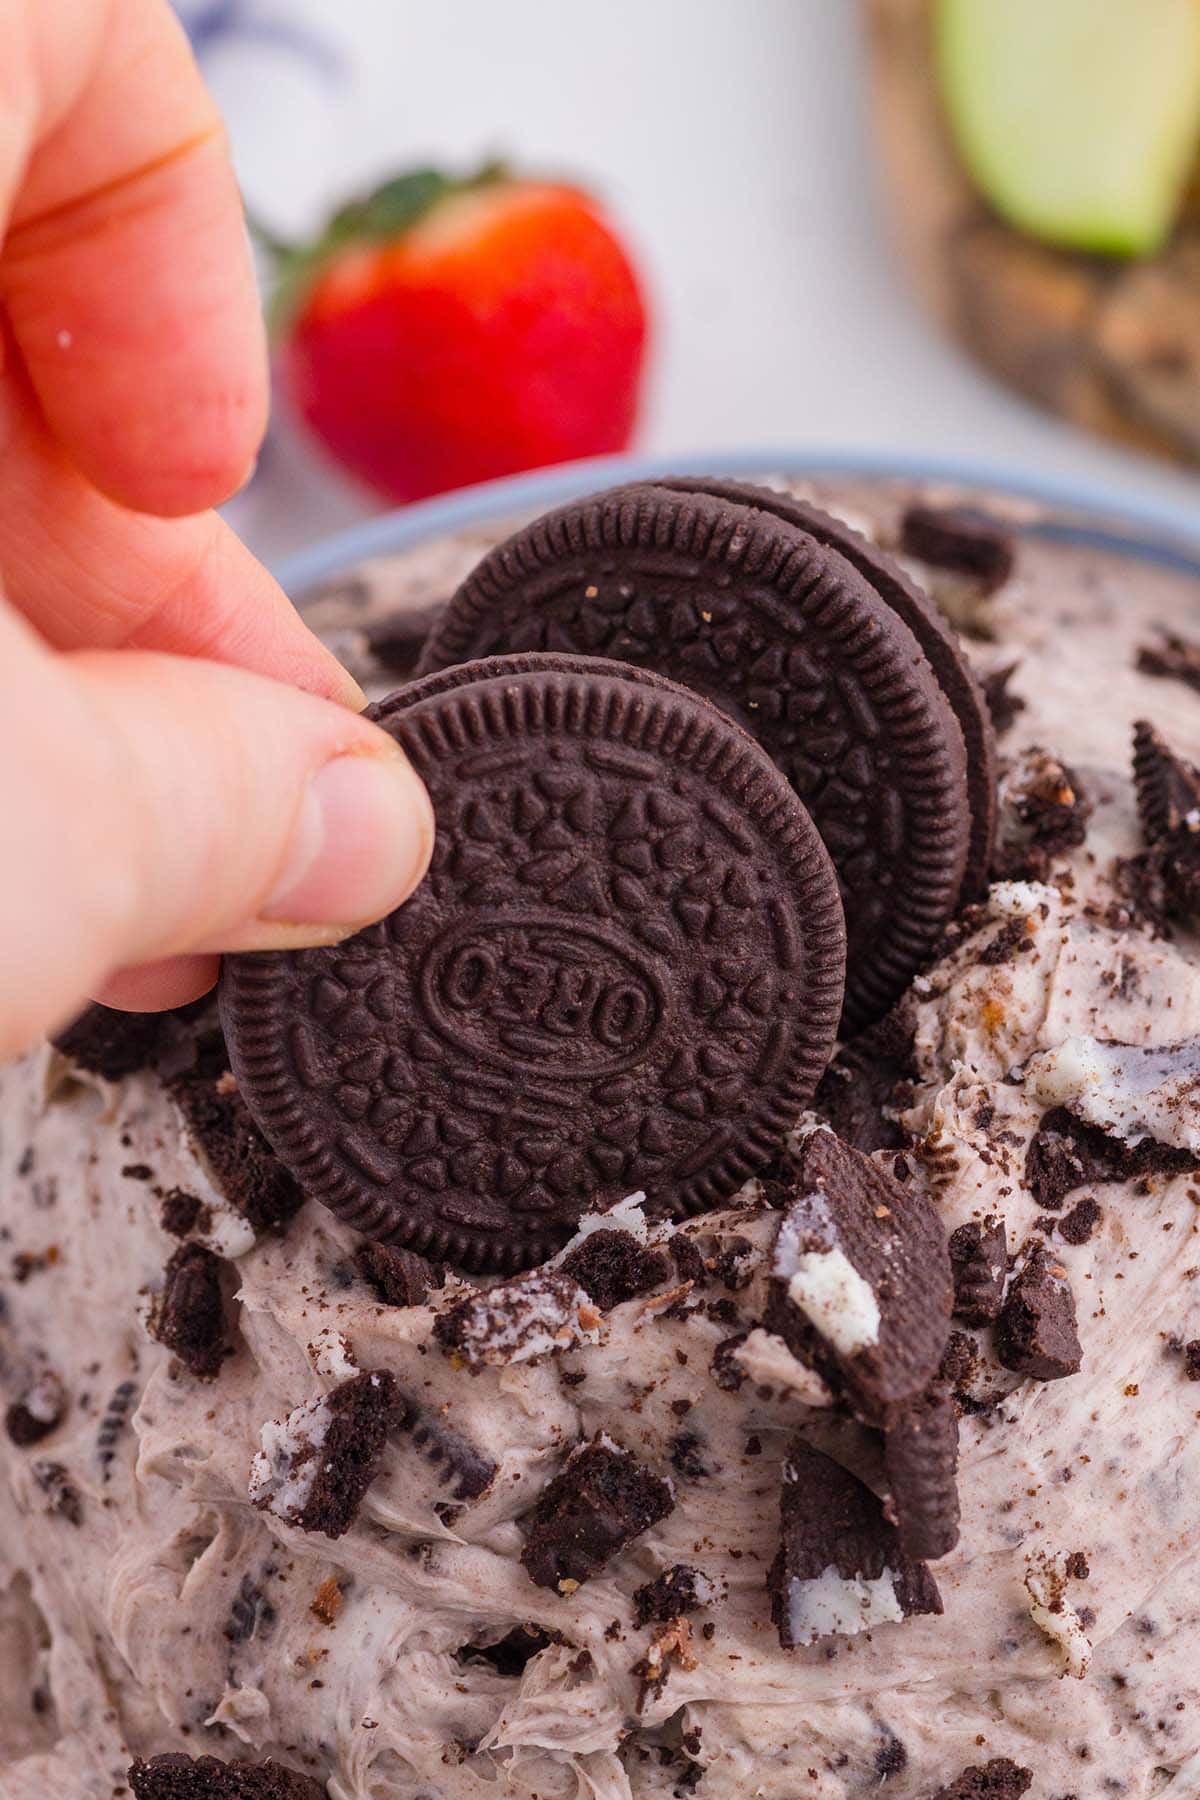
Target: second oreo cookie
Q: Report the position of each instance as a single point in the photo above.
(624, 970)
(790, 638)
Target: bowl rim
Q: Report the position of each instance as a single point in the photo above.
(1158, 530)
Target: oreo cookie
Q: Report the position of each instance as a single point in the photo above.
(930, 628)
(793, 640)
(841, 1568)
(920, 1455)
(175, 1777)
(623, 971)
(861, 1286)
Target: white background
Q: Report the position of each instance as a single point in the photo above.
(732, 140)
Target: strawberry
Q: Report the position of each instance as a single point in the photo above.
(442, 332)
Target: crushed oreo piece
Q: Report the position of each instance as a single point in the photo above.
(1004, 706)
(245, 1167)
(113, 1044)
(1079, 1224)
(727, 1372)
(176, 1777)
(999, 1779)
(519, 1321)
(189, 1315)
(113, 1423)
(920, 1454)
(680, 1589)
(38, 1410)
(860, 1283)
(891, 1758)
(688, 1258)
(688, 1456)
(397, 640)
(1065, 1153)
(949, 537)
(611, 1266)
(1173, 658)
(182, 1213)
(841, 1568)
(866, 1078)
(979, 1260)
(1044, 811)
(316, 1465)
(1036, 1333)
(1168, 797)
(1191, 1360)
(733, 1262)
(62, 1495)
(252, 1613)
(597, 1504)
(396, 1277)
(454, 1456)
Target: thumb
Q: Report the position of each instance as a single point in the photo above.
(155, 806)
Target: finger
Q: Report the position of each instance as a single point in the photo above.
(89, 574)
(153, 987)
(153, 807)
(126, 273)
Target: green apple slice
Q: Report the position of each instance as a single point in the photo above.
(1078, 119)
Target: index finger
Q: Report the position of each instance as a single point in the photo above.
(126, 272)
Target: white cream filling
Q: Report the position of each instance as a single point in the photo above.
(1054, 1616)
(275, 1480)
(838, 1301)
(834, 1605)
(1129, 1092)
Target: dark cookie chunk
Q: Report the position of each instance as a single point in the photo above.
(1043, 813)
(396, 642)
(677, 1591)
(1191, 1360)
(1174, 658)
(396, 1277)
(112, 1424)
(687, 1257)
(1036, 1332)
(999, 1779)
(182, 1213)
(949, 537)
(920, 1453)
(1004, 706)
(1065, 1153)
(598, 1503)
(787, 636)
(245, 1167)
(727, 1372)
(623, 971)
(38, 1411)
(454, 1456)
(62, 1496)
(315, 1469)
(189, 1315)
(866, 1078)
(1168, 797)
(1079, 1224)
(612, 1266)
(519, 1321)
(113, 1044)
(928, 625)
(204, 1778)
(834, 1539)
(979, 1259)
(860, 1279)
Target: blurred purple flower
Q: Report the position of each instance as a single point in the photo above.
(209, 22)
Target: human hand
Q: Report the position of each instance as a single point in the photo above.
(167, 790)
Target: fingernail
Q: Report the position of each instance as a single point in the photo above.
(360, 845)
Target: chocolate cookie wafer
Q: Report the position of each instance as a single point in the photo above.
(623, 971)
(930, 628)
(787, 636)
